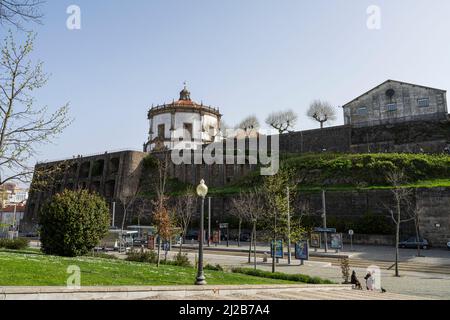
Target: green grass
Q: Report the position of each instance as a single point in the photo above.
(29, 268)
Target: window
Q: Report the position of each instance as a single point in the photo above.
(161, 131)
(187, 132)
(211, 131)
(362, 111)
(423, 103)
(391, 107)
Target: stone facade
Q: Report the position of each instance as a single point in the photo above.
(414, 137)
(395, 102)
(114, 176)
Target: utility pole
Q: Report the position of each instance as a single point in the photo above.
(289, 226)
(113, 214)
(209, 221)
(325, 219)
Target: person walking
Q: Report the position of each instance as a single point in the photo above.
(369, 281)
(355, 282)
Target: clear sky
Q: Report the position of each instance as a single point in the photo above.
(243, 56)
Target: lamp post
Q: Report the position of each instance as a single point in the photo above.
(202, 191)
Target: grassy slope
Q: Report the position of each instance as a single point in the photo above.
(367, 170)
(35, 269)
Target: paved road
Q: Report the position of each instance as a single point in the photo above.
(303, 295)
(424, 283)
(432, 261)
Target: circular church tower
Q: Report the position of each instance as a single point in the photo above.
(182, 124)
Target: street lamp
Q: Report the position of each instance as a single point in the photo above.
(202, 191)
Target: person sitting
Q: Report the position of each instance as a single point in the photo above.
(354, 281)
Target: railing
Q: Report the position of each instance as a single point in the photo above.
(171, 105)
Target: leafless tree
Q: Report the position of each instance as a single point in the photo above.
(15, 12)
(283, 121)
(23, 126)
(249, 126)
(183, 210)
(249, 206)
(161, 215)
(416, 214)
(402, 198)
(321, 111)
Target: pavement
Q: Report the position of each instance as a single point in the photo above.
(236, 292)
(426, 277)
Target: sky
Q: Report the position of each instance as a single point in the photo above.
(243, 56)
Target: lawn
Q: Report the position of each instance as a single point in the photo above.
(31, 268)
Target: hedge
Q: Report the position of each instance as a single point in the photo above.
(282, 276)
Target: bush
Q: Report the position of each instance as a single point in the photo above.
(182, 260)
(16, 244)
(217, 267)
(102, 255)
(142, 256)
(282, 276)
(73, 223)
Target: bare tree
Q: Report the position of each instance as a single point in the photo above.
(161, 215)
(416, 214)
(249, 206)
(249, 126)
(16, 12)
(23, 126)
(283, 121)
(402, 197)
(321, 111)
(183, 210)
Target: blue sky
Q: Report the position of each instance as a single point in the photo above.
(244, 56)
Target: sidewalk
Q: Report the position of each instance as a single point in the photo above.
(375, 253)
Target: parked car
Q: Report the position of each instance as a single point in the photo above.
(245, 237)
(412, 243)
(448, 245)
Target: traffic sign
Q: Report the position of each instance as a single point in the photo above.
(327, 230)
(223, 225)
(351, 232)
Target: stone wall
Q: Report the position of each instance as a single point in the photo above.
(414, 137)
(355, 204)
(113, 175)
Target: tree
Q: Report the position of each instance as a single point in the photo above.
(73, 223)
(283, 121)
(321, 111)
(23, 126)
(183, 210)
(279, 202)
(249, 126)
(17, 11)
(416, 214)
(402, 196)
(161, 216)
(249, 206)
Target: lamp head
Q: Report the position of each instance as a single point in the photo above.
(202, 189)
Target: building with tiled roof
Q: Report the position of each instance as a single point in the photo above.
(182, 124)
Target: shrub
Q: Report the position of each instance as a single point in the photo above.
(102, 255)
(142, 256)
(282, 276)
(16, 244)
(73, 223)
(216, 267)
(181, 260)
